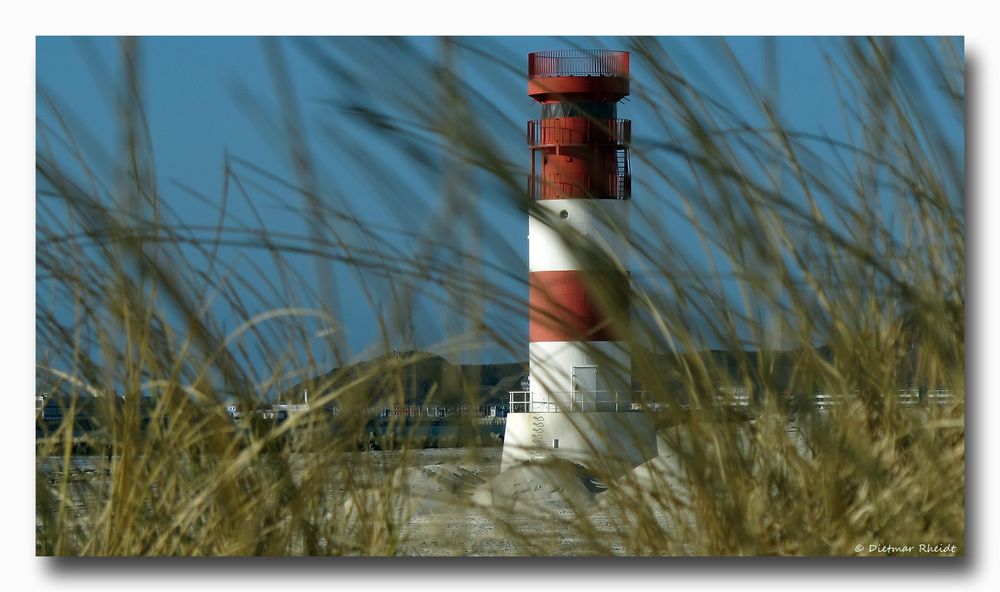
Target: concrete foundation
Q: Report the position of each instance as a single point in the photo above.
(611, 442)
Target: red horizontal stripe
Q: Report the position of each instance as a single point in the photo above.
(578, 305)
(582, 88)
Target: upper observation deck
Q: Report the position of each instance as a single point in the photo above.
(597, 74)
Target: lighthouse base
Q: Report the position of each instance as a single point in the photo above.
(610, 442)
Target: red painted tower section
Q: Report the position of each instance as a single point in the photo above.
(582, 144)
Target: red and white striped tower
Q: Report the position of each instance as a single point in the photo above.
(580, 379)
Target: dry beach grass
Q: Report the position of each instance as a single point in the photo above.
(851, 253)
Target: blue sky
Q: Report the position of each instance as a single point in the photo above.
(209, 97)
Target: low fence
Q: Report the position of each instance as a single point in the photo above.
(733, 397)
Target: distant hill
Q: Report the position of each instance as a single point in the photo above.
(423, 378)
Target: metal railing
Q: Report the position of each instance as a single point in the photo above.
(520, 402)
(618, 186)
(604, 400)
(524, 402)
(566, 131)
(578, 62)
(907, 397)
(940, 396)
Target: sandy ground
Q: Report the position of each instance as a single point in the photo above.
(455, 501)
(462, 505)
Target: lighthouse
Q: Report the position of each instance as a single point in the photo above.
(578, 401)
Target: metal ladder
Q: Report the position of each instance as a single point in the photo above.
(622, 172)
